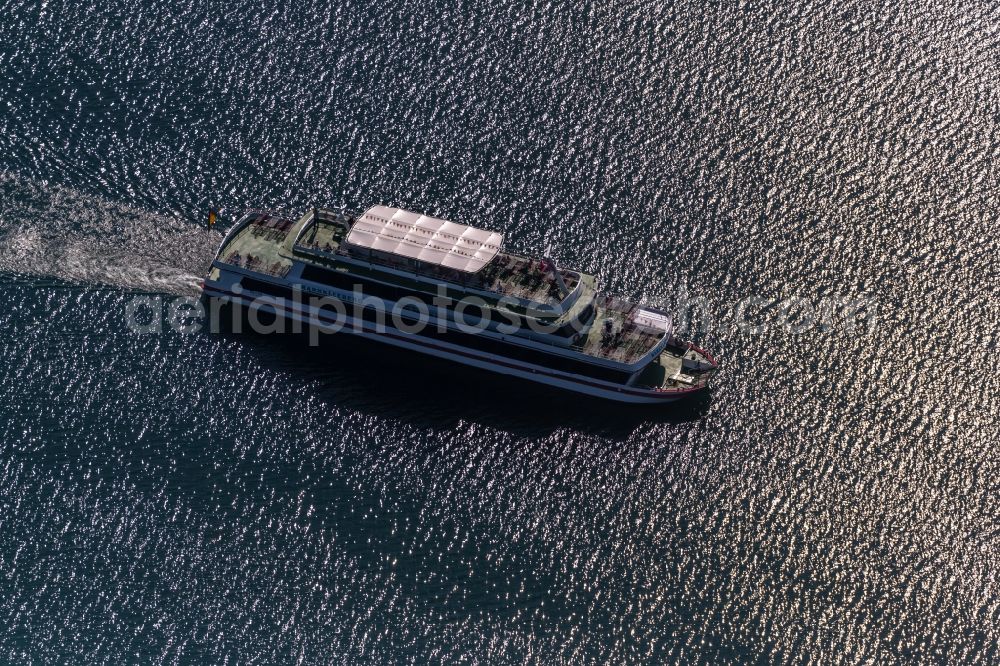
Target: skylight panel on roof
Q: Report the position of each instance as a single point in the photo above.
(428, 239)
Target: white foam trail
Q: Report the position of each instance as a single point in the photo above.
(61, 232)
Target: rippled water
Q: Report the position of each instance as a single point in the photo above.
(228, 499)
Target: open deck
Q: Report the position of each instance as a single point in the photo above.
(615, 335)
(677, 369)
(257, 245)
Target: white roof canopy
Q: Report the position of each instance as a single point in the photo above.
(427, 239)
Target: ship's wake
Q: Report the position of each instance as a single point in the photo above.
(60, 232)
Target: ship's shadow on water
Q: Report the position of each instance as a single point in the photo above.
(375, 378)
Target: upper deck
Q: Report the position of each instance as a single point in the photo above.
(620, 332)
(528, 284)
(256, 244)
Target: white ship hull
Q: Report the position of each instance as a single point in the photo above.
(388, 334)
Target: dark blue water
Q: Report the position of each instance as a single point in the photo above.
(221, 498)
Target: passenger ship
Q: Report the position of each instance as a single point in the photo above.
(449, 290)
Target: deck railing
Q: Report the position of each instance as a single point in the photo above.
(250, 262)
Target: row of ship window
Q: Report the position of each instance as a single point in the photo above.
(475, 341)
(371, 288)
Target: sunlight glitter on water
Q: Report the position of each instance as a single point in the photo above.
(171, 498)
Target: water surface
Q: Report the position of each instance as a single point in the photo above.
(218, 498)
